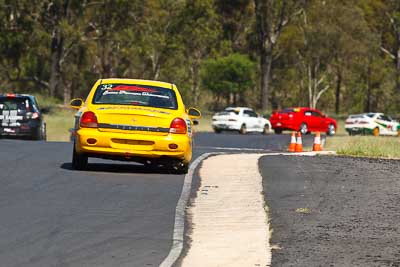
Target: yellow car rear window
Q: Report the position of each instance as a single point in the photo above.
(135, 95)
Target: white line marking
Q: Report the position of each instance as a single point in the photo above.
(179, 225)
(233, 148)
(308, 153)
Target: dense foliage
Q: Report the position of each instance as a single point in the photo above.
(340, 55)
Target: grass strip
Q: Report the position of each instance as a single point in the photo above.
(58, 124)
(365, 146)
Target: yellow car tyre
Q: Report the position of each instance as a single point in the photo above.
(79, 161)
(179, 167)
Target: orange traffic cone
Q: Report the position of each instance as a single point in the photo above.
(299, 143)
(292, 146)
(317, 142)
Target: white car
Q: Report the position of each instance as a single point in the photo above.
(240, 119)
(372, 123)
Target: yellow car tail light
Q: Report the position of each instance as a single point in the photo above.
(89, 120)
(178, 126)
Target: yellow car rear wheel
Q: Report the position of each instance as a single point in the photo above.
(79, 161)
(179, 167)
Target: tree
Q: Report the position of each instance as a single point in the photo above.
(199, 32)
(229, 77)
(322, 49)
(384, 19)
(271, 18)
(352, 47)
(61, 28)
(54, 13)
(18, 61)
(392, 47)
(237, 20)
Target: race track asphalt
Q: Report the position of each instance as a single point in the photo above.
(113, 214)
(332, 211)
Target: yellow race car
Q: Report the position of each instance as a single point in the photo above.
(134, 120)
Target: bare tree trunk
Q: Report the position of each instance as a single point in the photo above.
(55, 71)
(195, 90)
(314, 85)
(155, 65)
(271, 17)
(310, 88)
(266, 65)
(194, 70)
(369, 90)
(67, 92)
(105, 61)
(398, 69)
(337, 93)
(57, 46)
(235, 99)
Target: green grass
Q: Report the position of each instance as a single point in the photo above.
(58, 123)
(340, 128)
(47, 103)
(204, 124)
(365, 146)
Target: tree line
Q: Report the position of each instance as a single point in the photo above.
(341, 56)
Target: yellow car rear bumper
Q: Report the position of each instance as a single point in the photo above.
(93, 141)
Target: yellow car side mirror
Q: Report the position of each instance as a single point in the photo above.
(76, 103)
(194, 113)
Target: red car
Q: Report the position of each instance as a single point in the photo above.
(302, 119)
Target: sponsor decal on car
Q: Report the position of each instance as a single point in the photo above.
(189, 127)
(134, 108)
(383, 125)
(10, 118)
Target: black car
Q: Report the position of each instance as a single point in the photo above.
(20, 116)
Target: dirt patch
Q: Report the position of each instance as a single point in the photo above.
(333, 211)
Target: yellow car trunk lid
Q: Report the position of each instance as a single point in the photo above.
(142, 120)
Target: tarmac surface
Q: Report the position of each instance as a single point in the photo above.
(113, 214)
(324, 210)
(333, 211)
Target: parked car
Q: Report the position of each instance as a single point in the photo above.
(134, 120)
(372, 123)
(302, 119)
(20, 116)
(241, 119)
